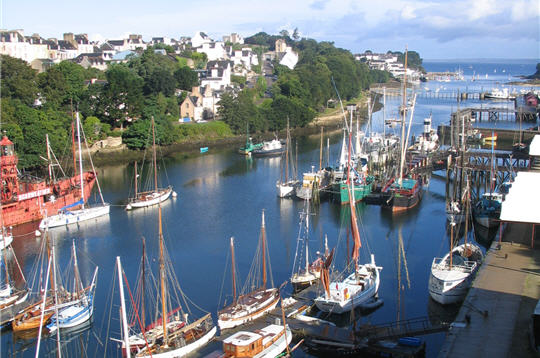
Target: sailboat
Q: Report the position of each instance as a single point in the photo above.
(154, 196)
(315, 183)
(11, 296)
(452, 275)
(362, 182)
(403, 193)
(255, 303)
(170, 336)
(305, 272)
(359, 287)
(487, 210)
(79, 310)
(67, 217)
(249, 146)
(287, 186)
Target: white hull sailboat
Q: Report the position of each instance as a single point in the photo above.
(156, 195)
(150, 198)
(357, 289)
(287, 187)
(305, 273)
(5, 239)
(452, 275)
(251, 305)
(449, 284)
(76, 312)
(67, 217)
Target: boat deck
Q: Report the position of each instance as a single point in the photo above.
(494, 318)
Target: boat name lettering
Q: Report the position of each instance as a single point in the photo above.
(34, 194)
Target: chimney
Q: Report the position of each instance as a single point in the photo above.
(69, 37)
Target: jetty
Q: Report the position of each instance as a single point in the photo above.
(494, 318)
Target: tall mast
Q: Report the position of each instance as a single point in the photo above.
(233, 270)
(263, 239)
(56, 302)
(287, 153)
(320, 152)
(403, 114)
(162, 276)
(123, 303)
(43, 307)
(466, 211)
(452, 224)
(73, 146)
(384, 113)
(49, 157)
(154, 156)
(80, 157)
(143, 310)
(136, 180)
(78, 285)
(307, 237)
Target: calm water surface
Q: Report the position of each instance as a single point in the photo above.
(222, 194)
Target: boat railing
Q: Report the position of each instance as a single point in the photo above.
(441, 263)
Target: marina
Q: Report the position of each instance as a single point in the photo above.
(221, 194)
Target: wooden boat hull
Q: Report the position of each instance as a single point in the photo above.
(287, 189)
(236, 315)
(174, 352)
(359, 193)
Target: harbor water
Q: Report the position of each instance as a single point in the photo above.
(222, 194)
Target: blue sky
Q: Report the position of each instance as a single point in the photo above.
(437, 29)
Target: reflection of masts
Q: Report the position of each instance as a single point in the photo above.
(401, 255)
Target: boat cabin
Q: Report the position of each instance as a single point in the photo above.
(249, 344)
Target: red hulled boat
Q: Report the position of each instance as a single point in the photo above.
(27, 198)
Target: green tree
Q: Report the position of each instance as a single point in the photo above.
(186, 78)
(19, 80)
(122, 96)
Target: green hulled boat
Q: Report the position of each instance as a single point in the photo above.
(360, 191)
(249, 147)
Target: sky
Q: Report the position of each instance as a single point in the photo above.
(436, 29)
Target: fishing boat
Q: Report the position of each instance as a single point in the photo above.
(249, 146)
(269, 342)
(401, 193)
(452, 275)
(155, 195)
(305, 271)
(313, 182)
(488, 209)
(250, 305)
(80, 308)
(427, 141)
(270, 148)
(287, 184)
(359, 287)
(27, 198)
(65, 216)
(170, 335)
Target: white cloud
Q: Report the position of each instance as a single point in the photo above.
(407, 12)
(483, 8)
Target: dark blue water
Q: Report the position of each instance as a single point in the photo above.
(222, 194)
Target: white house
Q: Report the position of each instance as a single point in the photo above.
(243, 60)
(213, 50)
(290, 59)
(14, 44)
(233, 38)
(199, 39)
(218, 75)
